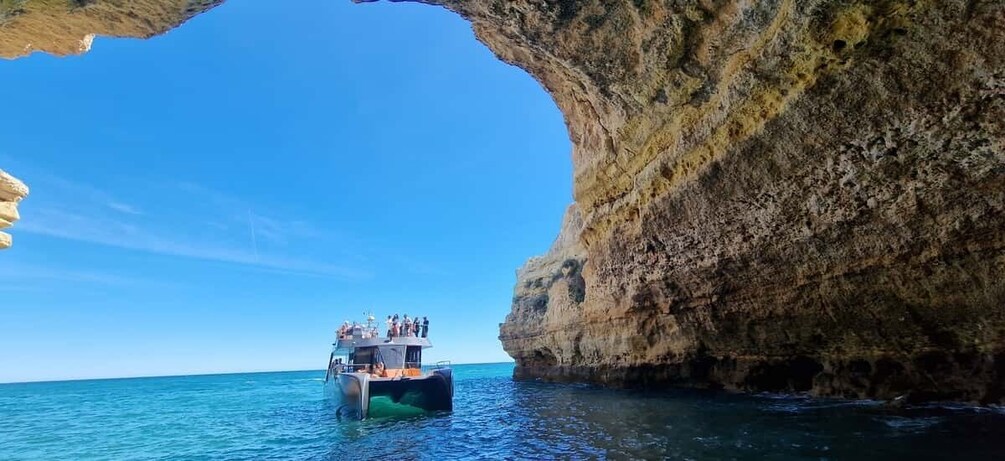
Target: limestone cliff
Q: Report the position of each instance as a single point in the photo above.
(778, 195)
(11, 192)
(65, 27)
(772, 195)
(549, 291)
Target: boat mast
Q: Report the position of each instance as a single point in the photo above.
(370, 319)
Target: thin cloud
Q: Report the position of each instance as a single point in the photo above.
(243, 214)
(49, 186)
(113, 233)
(70, 210)
(26, 272)
(123, 208)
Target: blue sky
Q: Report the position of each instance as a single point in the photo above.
(221, 197)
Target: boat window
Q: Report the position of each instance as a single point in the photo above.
(413, 357)
(364, 355)
(393, 356)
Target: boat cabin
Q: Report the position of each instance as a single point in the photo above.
(362, 365)
(380, 357)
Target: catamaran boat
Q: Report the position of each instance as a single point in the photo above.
(363, 366)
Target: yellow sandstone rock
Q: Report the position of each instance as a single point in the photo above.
(63, 27)
(8, 214)
(779, 195)
(11, 192)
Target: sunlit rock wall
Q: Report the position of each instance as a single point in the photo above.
(773, 195)
(66, 27)
(11, 192)
(777, 195)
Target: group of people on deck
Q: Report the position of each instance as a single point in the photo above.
(396, 326)
(406, 326)
(355, 329)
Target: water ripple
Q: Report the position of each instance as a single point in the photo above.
(279, 416)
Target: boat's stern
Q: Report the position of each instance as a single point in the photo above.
(352, 391)
(432, 391)
(447, 375)
(364, 367)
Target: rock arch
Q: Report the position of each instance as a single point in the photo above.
(790, 195)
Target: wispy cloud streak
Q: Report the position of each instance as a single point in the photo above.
(123, 208)
(71, 226)
(23, 272)
(83, 213)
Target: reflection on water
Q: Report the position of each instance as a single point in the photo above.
(585, 421)
(284, 416)
(495, 418)
(384, 407)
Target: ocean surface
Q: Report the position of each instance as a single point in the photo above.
(265, 416)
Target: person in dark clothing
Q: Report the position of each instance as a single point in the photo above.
(415, 327)
(425, 326)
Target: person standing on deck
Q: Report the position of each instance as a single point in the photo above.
(408, 326)
(394, 327)
(389, 323)
(425, 326)
(415, 327)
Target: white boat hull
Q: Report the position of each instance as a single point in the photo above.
(351, 392)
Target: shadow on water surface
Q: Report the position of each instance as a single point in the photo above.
(284, 416)
(585, 421)
(497, 418)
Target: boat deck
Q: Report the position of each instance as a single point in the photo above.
(352, 342)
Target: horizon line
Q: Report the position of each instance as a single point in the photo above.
(224, 373)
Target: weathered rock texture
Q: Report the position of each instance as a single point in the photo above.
(773, 195)
(65, 27)
(11, 192)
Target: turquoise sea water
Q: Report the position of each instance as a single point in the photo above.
(284, 416)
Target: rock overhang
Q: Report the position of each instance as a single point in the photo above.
(773, 196)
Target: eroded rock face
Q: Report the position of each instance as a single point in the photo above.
(779, 195)
(774, 195)
(66, 27)
(12, 191)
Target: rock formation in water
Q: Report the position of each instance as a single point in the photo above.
(11, 192)
(775, 195)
